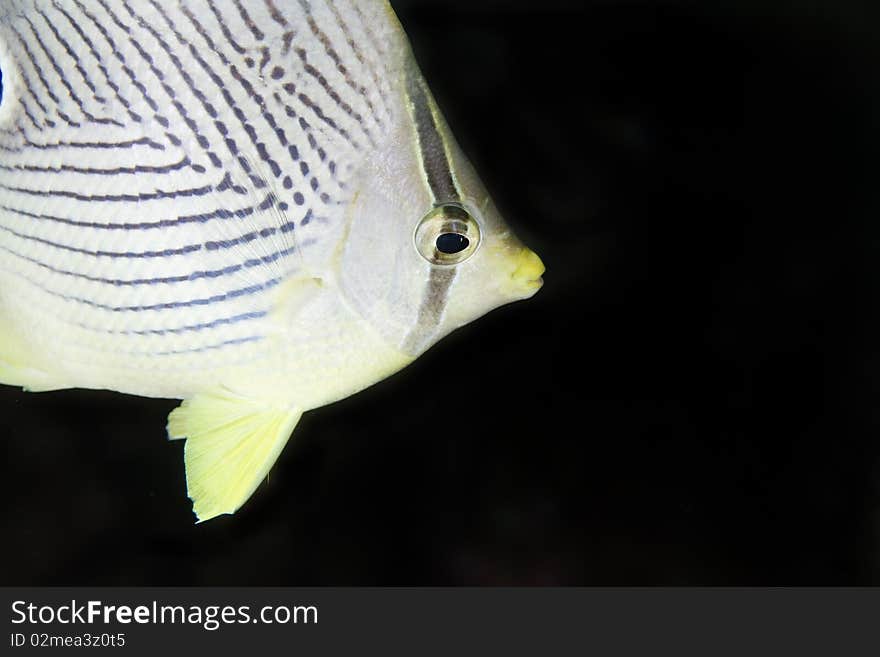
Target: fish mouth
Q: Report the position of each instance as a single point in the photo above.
(526, 277)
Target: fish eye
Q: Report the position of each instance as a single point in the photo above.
(451, 243)
(447, 235)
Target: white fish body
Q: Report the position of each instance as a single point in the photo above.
(232, 203)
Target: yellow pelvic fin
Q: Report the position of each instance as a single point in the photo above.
(231, 444)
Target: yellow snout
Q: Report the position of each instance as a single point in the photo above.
(528, 270)
(519, 270)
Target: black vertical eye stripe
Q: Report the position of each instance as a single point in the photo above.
(432, 151)
(437, 168)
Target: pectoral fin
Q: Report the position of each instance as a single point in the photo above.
(231, 444)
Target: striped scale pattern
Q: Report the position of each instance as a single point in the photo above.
(165, 165)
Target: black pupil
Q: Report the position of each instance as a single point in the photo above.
(452, 243)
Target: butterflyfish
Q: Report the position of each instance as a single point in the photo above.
(252, 206)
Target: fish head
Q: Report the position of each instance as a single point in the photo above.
(427, 251)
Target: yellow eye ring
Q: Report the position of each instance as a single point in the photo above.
(447, 235)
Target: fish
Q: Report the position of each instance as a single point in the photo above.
(252, 206)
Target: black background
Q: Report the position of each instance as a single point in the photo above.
(691, 399)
